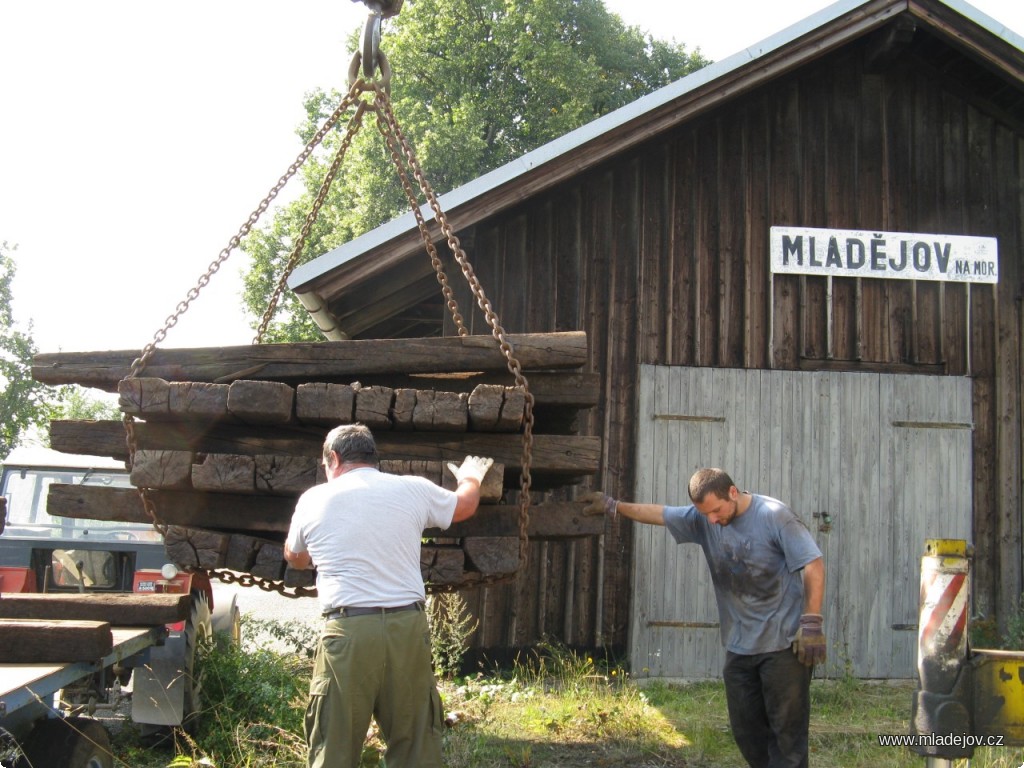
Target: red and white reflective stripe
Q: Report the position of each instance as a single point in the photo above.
(944, 608)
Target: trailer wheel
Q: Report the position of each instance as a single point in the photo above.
(74, 742)
(227, 624)
(198, 642)
(234, 632)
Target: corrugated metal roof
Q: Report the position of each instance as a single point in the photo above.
(39, 456)
(986, 22)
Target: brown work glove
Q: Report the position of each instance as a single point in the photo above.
(809, 645)
(597, 503)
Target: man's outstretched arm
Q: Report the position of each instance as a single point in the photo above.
(598, 503)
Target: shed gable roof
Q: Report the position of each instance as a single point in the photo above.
(364, 286)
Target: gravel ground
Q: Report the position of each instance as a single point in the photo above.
(269, 605)
(257, 604)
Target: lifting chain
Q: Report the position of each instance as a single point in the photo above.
(370, 59)
(388, 125)
(311, 217)
(139, 364)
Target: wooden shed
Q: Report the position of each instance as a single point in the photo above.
(882, 400)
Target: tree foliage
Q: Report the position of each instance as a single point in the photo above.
(476, 84)
(27, 406)
(73, 402)
(24, 402)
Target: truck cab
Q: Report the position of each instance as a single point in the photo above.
(40, 553)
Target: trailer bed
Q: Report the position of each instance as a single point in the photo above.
(23, 687)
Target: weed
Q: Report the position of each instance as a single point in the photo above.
(299, 637)
(520, 756)
(1013, 639)
(451, 626)
(552, 665)
(556, 707)
(255, 704)
(260, 699)
(984, 631)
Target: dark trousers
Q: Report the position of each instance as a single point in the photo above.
(769, 707)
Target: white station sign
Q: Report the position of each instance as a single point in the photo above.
(888, 255)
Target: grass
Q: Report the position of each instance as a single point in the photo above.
(847, 716)
(556, 710)
(553, 708)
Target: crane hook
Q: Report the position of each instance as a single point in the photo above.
(388, 8)
(379, 10)
(371, 43)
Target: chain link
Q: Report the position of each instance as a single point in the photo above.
(428, 242)
(311, 217)
(267, 585)
(398, 146)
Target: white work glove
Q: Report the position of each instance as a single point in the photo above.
(473, 468)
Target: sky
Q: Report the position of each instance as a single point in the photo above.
(137, 137)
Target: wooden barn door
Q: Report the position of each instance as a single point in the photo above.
(873, 463)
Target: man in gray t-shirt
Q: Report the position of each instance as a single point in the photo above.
(769, 579)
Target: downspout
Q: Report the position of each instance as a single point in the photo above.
(325, 321)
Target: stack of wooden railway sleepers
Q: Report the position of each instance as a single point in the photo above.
(227, 438)
(54, 627)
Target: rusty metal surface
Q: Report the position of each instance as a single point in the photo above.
(999, 695)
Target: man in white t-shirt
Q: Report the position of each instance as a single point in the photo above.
(362, 530)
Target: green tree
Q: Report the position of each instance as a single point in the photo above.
(73, 402)
(24, 402)
(27, 406)
(476, 84)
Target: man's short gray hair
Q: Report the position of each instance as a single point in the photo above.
(353, 443)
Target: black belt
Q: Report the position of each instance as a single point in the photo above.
(346, 613)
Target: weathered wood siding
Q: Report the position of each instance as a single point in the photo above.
(886, 457)
(661, 256)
